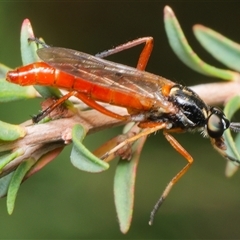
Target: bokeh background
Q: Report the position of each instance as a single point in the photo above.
(62, 202)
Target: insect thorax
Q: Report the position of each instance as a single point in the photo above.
(190, 111)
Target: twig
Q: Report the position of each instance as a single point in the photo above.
(40, 136)
(217, 93)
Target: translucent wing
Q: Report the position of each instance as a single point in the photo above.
(105, 73)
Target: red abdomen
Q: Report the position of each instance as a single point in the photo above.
(40, 73)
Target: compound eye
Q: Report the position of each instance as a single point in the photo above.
(216, 125)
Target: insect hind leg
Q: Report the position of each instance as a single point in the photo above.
(93, 104)
(49, 109)
(145, 53)
(84, 98)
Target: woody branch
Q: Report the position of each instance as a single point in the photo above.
(93, 121)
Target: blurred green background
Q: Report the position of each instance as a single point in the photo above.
(62, 202)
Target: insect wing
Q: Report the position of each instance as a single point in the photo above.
(105, 73)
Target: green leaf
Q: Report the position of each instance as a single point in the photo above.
(48, 92)
(223, 49)
(3, 70)
(231, 167)
(29, 55)
(15, 183)
(4, 184)
(12, 92)
(124, 182)
(11, 132)
(124, 185)
(232, 146)
(182, 49)
(44, 160)
(7, 158)
(28, 48)
(81, 157)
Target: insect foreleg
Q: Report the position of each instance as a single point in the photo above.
(176, 145)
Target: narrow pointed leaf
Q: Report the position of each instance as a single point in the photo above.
(29, 55)
(15, 183)
(43, 161)
(81, 157)
(28, 48)
(12, 92)
(223, 49)
(231, 167)
(124, 185)
(232, 149)
(11, 132)
(4, 184)
(182, 49)
(3, 70)
(7, 158)
(124, 182)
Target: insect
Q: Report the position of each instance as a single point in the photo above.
(156, 103)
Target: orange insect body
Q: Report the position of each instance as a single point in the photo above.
(157, 103)
(40, 73)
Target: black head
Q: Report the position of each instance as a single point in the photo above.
(194, 114)
(217, 123)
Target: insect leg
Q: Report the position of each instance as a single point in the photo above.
(84, 98)
(142, 62)
(38, 41)
(46, 111)
(144, 133)
(176, 145)
(125, 151)
(93, 104)
(220, 146)
(144, 56)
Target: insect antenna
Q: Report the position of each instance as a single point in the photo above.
(235, 126)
